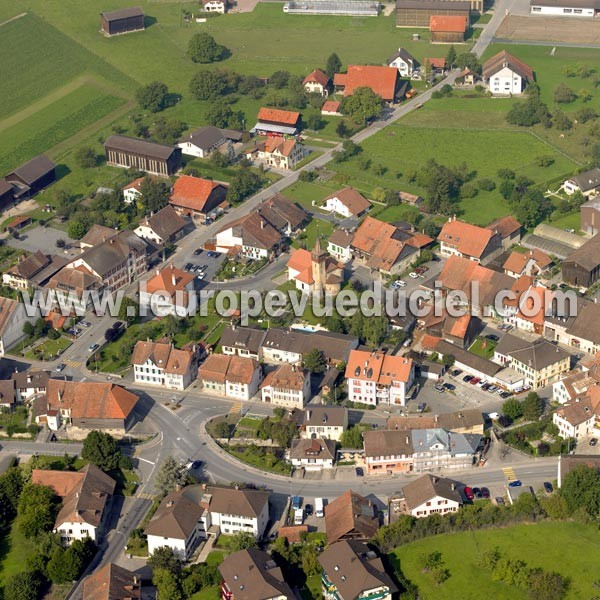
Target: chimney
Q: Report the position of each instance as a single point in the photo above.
(28, 378)
(173, 280)
(262, 224)
(452, 486)
(407, 440)
(157, 272)
(308, 413)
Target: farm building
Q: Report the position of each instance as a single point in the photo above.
(581, 268)
(416, 13)
(202, 142)
(382, 80)
(272, 121)
(565, 8)
(350, 8)
(122, 21)
(127, 152)
(506, 74)
(6, 193)
(31, 177)
(448, 30)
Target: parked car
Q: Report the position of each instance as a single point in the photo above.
(548, 487)
(93, 347)
(492, 337)
(456, 372)
(198, 251)
(492, 388)
(474, 381)
(499, 501)
(485, 386)
(483, 383)
(85, 323)
(118, 325)
(59, 368)
(467, 378)
(515, 483)
(469, 493)
(308, 510)
(593, 441)
(201, 276)
(485, 493)
(413, 275)
(505, 395)
(188, 267)
(439, 387)
(493, 415)
(450, 387)
(359, 472)
(422, 406)
(476, 492)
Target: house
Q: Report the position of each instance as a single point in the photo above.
(577, 419)
(564, 8)
(316, 82)
(506, 75)
(339, 245)
(112, 582)
(417, 13)
(324, 422)
(7, 394)
(347, 202)
(312, 454)
(277, 152)
(458, 238)
(230, 376)
(73, 283)
(385, 248)
(276, 122)
(202, 142)
(460, 331)
(197, 197)
(216, 6)
(96, 235)
(132, 192)
(85, 495)
(161, 364)
(31, 177)
(242, 341)
(116, 262)
(587, 182)
(30, 383)
(12, 318)
(290, 345)
(540, 362)
(169, 291)
(403, 61)
(378, 378)
(331, 108)
(350, 517)
(583, 331)
(533, 263)
(574, 385)
(32, 271)
(383, 81)
(429, 495)
(86, 405)
(448, 29)
(509, 230)
(411, 199)
(184, 517)
(132, 153)
(284, 214)
(352, 571)
(467, 77)
(122, 21)
(251, 236)
(288, 386)
(316, 271)
(581, 268)
(463, 421)
(529, 309)
(590, 215)
(438, 449)
(387, 452)
(161, 228)
(253, 575)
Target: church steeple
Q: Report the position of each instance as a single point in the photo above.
(319, 266)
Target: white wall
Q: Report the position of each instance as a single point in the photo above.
(506, 82)
(562, 11)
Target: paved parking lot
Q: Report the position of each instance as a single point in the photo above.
(212, 264)
(44, 239)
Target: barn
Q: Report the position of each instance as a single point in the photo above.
(417, 13)
(122, 21)
(31, 177)
(158, 159)
(447, 29)
(275, 122)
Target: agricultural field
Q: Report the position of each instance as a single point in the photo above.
(461, 553)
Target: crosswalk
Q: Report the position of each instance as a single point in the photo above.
(509, 473)
(74, 364)
(145, 495)
(236, 409)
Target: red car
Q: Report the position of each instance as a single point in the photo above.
(475, 381)
(469, 493)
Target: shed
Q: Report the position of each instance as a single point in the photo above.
(122, 21)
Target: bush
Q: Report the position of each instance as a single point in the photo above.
(85, 157)
(486, 185)
(203, 48)
(563, 94)
(468, 190)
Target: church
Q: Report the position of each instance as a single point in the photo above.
(316, 271)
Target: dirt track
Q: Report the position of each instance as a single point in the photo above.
(550, 29)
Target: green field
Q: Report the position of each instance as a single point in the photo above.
(14, 550)
(571, 549)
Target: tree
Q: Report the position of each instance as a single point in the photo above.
(363, 105)
(152, 96)
(222, 429)
(333, 65)
(563, 94)
(581, 490)
(314, 122)
(315, 361)
(85, 157)
(546, 585)
(222, 116)
(76, 229)
(61, 243)
(129, 310)
(468, 60)
(202, 48)
(448, 360)
(28, 328)
(25, 585)
(167, 131)
(154, 194)
(310, 561)
(512, 408)
(170, 476)
(37, 510)
(244, 185)
(532, 407)
(164, 558)
(102, 450)
(352, 438)
(561, 121)
(451, 57)
(279, 79)
(242, 541)
(342, 129)
(168, 585)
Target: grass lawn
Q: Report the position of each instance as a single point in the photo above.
(14, 551)
(212, 592)
(543, 545)
(315, 228)
(312, 588)
(17, 418)
(215, 558)
(259, 458)
(483, 348)
(305, 193)
(49, 349)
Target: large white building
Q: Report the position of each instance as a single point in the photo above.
(230, 376)
(288, 386)
(565, 8)
(429, 495)
(506, 75)
(328, 422)
(160, 364)
(378, 378)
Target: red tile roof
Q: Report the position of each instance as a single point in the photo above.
(436, 63)
(382, 80)
(378, 367)
(331, 106)
(517, 261)
(448, 24)
(192, 192)
(278, 116)
(505, 226)
(468, 239)
(352, 199)
(316, 76)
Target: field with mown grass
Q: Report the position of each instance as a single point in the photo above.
(571, 549)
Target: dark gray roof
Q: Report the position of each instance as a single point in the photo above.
(468, 358)
(135, 146)
(587, 256)
(246, 338)
(34, 169)
(232, 134)
(104, 257)
(205, 138)
(5, 187)
(166, 222)
(586, 324)
(427, 487)
(539, 354)
(123, 13)
(332, 416)
(403, 54)
(588, 180)
(458, 5)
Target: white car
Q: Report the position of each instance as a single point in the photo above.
(413, 275)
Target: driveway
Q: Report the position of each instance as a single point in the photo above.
(44, 239)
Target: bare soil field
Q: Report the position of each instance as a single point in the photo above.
(549, 29)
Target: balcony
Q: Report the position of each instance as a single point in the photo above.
(375, 595)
